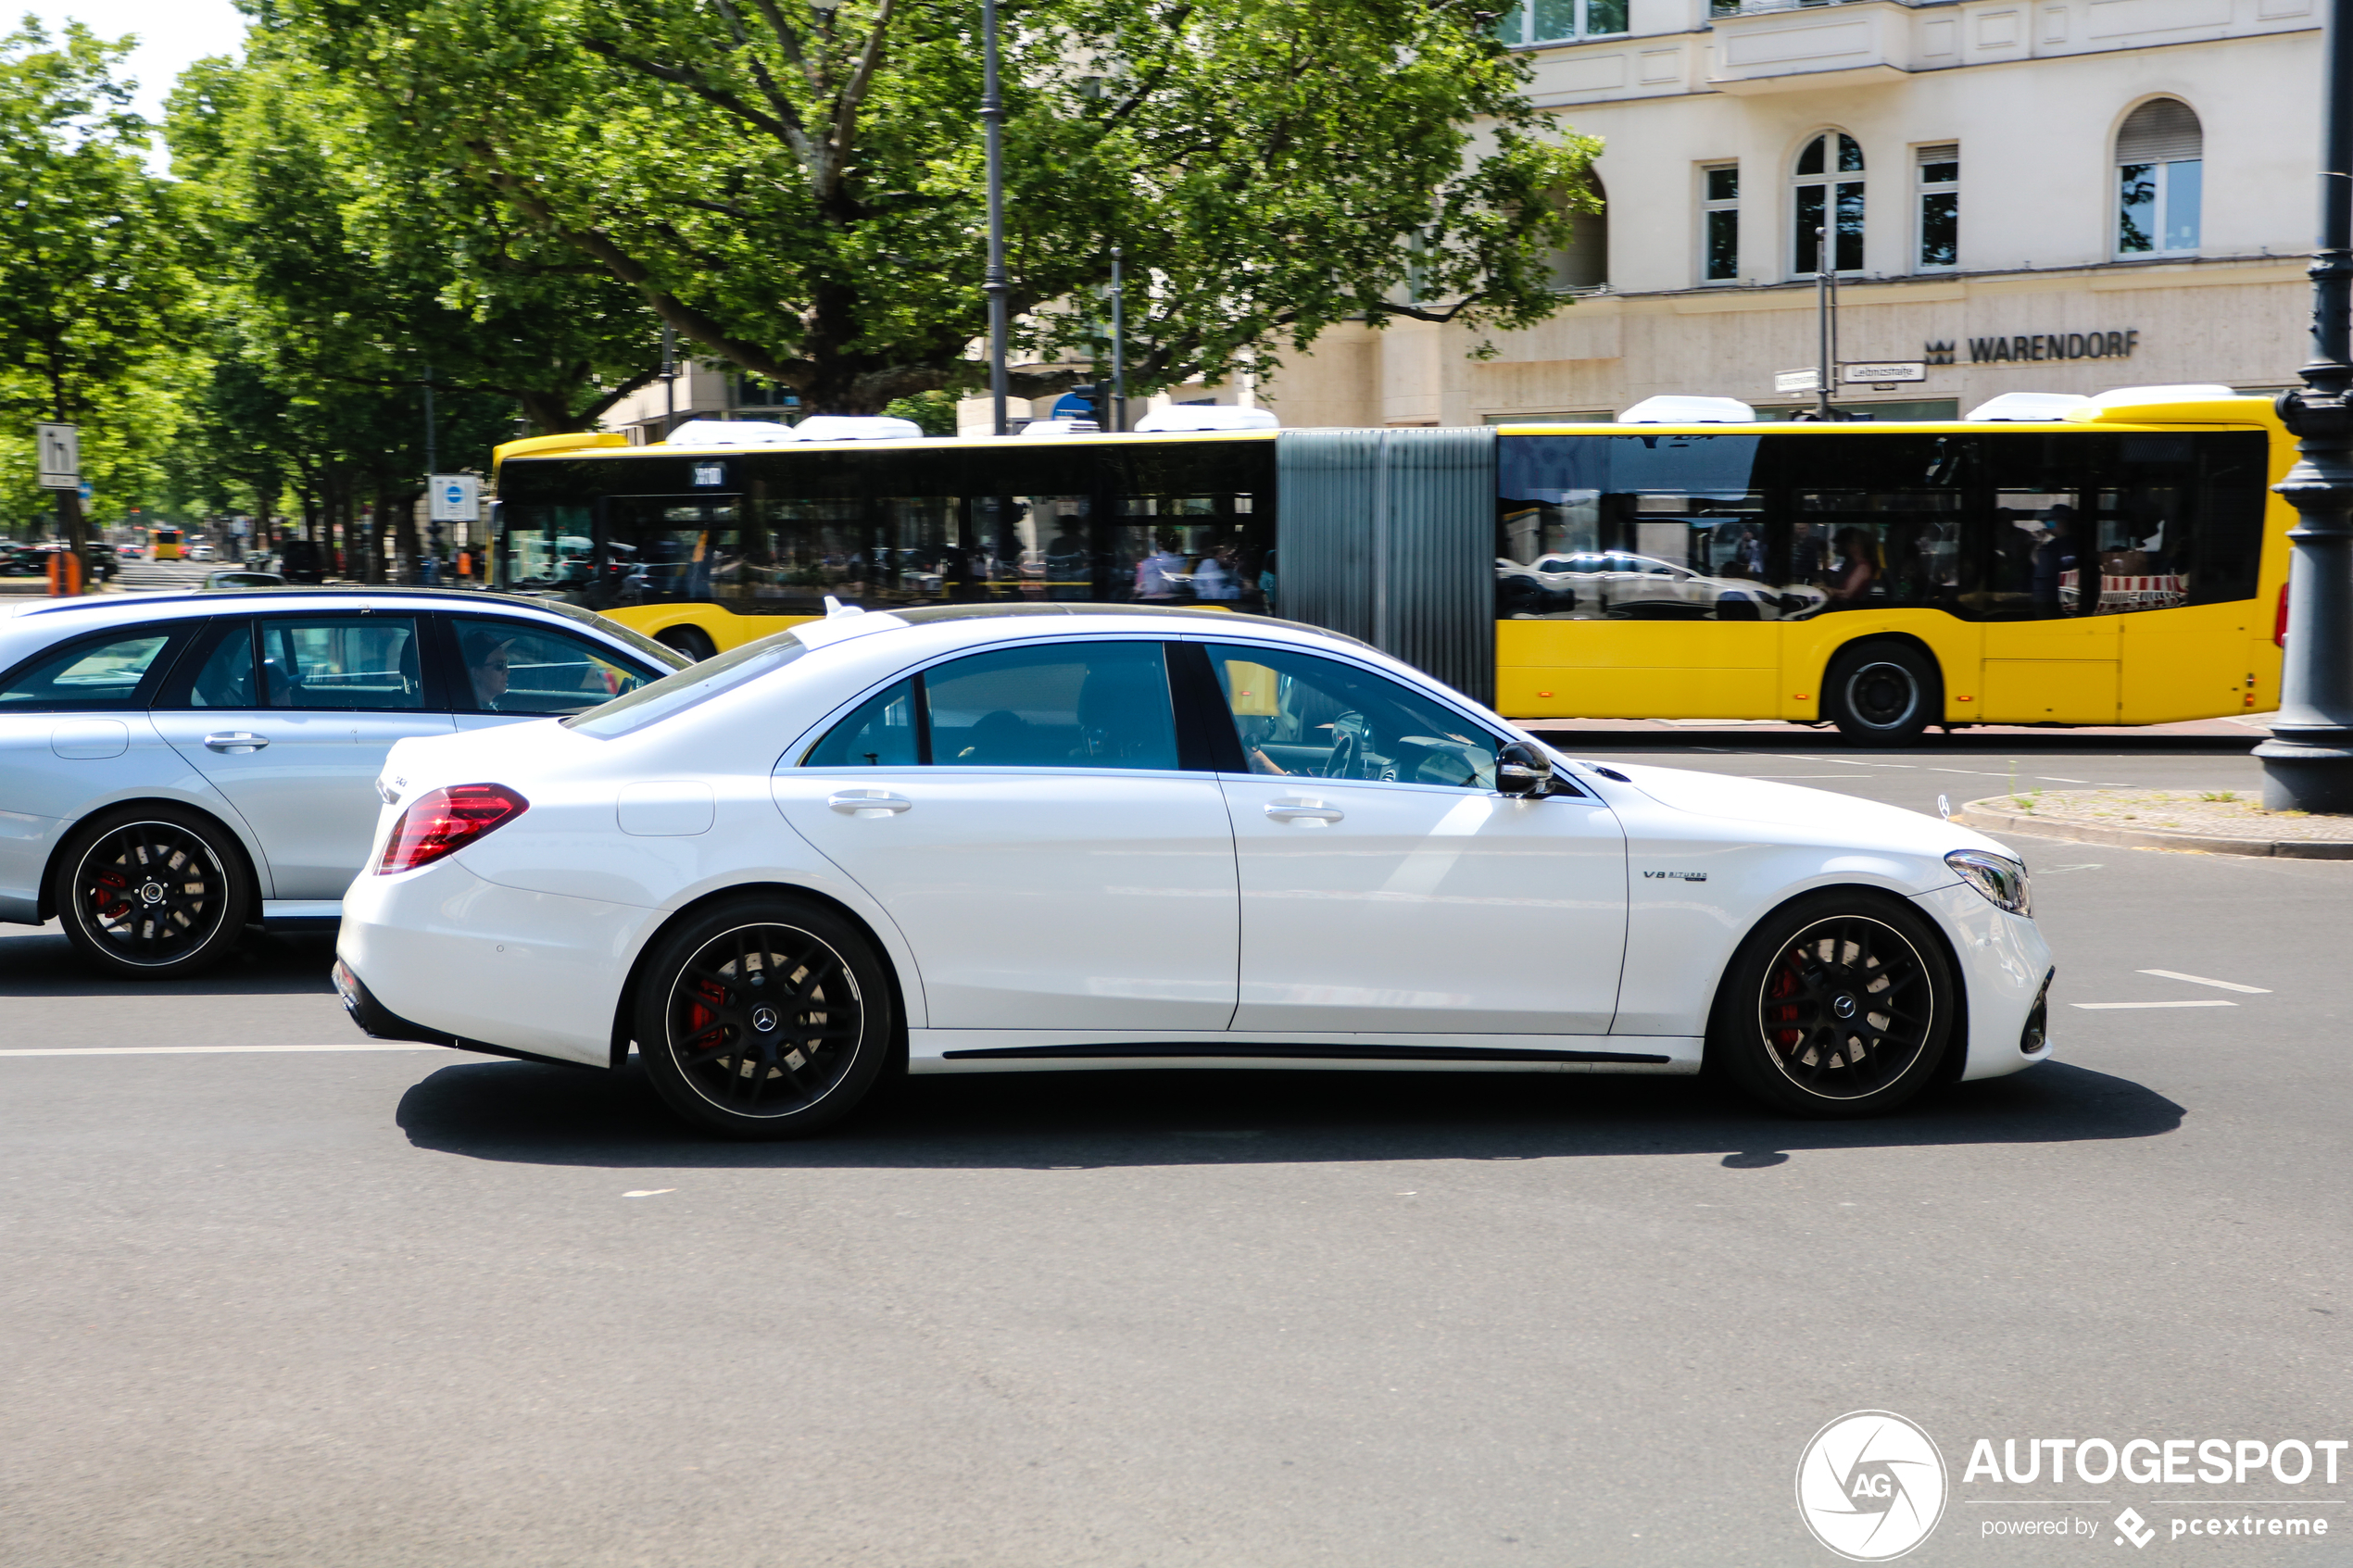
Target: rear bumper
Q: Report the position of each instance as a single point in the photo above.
(380, 1022)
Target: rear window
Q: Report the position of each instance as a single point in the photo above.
(690, 687)
(117, 669)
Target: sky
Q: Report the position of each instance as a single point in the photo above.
(172, 34)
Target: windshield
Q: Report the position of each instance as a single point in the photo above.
(690, 688)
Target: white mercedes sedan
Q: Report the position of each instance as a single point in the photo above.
(1037, 836)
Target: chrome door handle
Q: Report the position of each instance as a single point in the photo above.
(1309, 810)
(868, 803)
(234, 741)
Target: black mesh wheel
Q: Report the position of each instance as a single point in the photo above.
(763, 1020)
(154, 892)
(1840, 1004)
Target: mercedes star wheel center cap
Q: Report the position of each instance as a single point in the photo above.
(763, 1020)
(152, 892)
(1844, 1005)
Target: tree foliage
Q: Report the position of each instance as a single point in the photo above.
(96, 296)
(800, 191)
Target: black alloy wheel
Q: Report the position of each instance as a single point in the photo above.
(1840, 1004)
(1883, 693)
(763, 1018)
(156, 892)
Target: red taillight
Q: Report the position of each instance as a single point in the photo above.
(2278, 631)
(443, 822)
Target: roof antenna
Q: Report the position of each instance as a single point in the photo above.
(834, 607)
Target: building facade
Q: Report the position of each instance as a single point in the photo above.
(2044, 196)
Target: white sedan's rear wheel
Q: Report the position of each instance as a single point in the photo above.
(763, 1018)
(1840, 1004)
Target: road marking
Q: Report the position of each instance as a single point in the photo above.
(216, 1050)
(1797, 775)
(649, 1192)
(2201, 1002)
(2054, 778)
(2201, 980)
(1972, 773)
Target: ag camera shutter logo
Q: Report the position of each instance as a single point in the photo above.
(1871, 1486)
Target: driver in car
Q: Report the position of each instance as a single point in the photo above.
(487, 661)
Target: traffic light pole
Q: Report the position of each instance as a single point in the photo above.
(2307, 763)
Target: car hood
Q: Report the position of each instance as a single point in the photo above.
(1814, 813)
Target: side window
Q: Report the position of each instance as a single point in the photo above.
(509, 667)
(881, 733)
(1318, 717)
(1060, 705)
(118, 671)
(225, 677)
(348, 661)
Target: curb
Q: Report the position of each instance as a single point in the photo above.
(1985, 815)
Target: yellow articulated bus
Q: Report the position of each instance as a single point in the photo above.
(2110, 560)
(163, 544)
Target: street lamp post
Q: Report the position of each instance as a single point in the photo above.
(1118, 344)
(992, 116)
(2307, 763)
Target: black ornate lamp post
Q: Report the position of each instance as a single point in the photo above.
(992, 116)
(2307, 763)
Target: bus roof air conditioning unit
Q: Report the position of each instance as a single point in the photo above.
(1672, 409)
(2026, 408)
(731, 432)
(857, 427)
(1060, 427)
(1205, 416)
(2194, 392)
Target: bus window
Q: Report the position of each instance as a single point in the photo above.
(2113, 523)
(664, 549)
(1872, 521)
(543, 546)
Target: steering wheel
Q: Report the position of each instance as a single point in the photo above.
(1347, 749)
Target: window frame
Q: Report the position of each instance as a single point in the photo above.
(431, 686)
(1709, 206)
(1830, 180)
(2162, 177)
(1525, 14)
(1922, 189)
(449, 653)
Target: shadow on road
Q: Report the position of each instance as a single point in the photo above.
(42, 964)
(535, 1114)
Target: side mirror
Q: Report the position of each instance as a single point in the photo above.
(1522, 770)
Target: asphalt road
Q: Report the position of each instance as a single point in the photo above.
(406, 1306)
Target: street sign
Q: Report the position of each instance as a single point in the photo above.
(86, 490)
(1872, 371)
(60, 456)
(1808, 380)
(457, 497)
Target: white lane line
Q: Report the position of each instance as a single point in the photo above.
(2054, 778)
(2201, 1002)
(1972, 773)
(218, 1050)
(2201, 980)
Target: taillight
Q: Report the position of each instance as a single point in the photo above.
(2278, 631)
(443, 822)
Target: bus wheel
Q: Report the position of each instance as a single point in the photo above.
(1882, 694)
(692, 640)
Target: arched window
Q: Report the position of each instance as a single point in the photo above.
(2159, 179)
(1828, 189)
(1583, 264)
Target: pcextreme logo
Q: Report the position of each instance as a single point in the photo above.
(1871, 1486)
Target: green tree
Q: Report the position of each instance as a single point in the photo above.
(798, 190)
(95, 295)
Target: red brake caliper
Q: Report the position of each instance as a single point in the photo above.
(1779, 1012)
(109, 886)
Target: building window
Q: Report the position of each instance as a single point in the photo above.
(1940, 176)
(1561, 22)
(1829, 188)
(1583, 264)
(2159, 179)
(1720, 206)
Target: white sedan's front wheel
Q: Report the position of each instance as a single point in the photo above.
(1840, 1004)
(763, 1018)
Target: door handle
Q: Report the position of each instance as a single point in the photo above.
(1307, 811)
(235, 741)
(868, 803)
